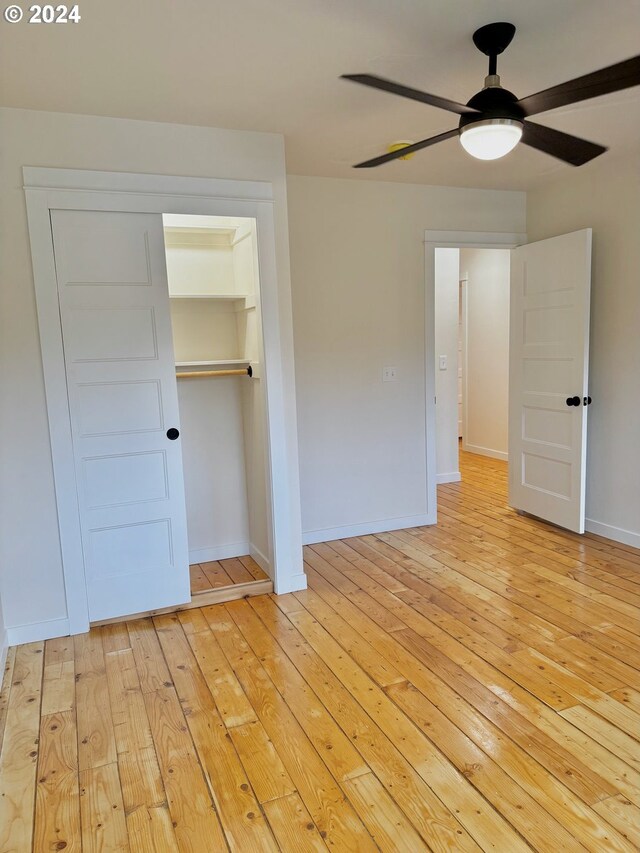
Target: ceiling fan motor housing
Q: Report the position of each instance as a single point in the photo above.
(492, 103)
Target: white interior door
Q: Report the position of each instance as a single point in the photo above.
(114, 307)
(548, 394)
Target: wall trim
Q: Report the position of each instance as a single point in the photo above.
(261, 559)
(449, 477)
(4, 651)
(36, 631)
(617, 534)
(219, 552)
(294, 583)
(87, 180)
(383, 525)
(485, 451)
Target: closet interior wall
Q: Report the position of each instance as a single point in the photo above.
(213, 279)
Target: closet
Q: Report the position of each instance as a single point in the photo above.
(214, 295)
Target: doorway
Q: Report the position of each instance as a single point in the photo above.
(548, 370)
(442, 258)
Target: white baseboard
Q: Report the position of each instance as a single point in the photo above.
(449, 477)
(384, 525)
(4, 648)
(219, 552)
(485, 451)
(294, 583)
(37, 631)
(618, 534)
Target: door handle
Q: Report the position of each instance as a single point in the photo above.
(172, 433)
(573, 401)
(586, 401)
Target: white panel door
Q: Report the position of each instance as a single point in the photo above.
(548, 394)
(118, 349)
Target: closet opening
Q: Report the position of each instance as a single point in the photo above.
(214, 296)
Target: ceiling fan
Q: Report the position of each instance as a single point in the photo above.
(493, 121)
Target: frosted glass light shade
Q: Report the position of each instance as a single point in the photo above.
(492, 139)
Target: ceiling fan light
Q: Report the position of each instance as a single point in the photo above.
(491, 139)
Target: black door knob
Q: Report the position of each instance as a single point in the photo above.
(172, 433)
(586, 401)
(573, 401)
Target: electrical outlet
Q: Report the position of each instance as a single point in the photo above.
(389, 374)
(443, 362)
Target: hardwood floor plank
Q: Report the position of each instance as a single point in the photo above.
(253, 568)
(130, 724)
(57, 812)
(623, 815)
(115, 637)
(339, 754)
(194, 817)
(242, 820)
(615, 740)
(236, 571)
(292, 825)
(150, 663)
(215, 574)
(630, 698)
(96, 741)
(5, 689)
(231, 701)
(337, 822)
(151, 831)
(18, 760)
(199, 581)
(102, 812)
(387, 824)
(261, 762)
(58, 687)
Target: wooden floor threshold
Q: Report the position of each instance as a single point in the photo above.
(200, 599)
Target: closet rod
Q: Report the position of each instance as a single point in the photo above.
(197, 374)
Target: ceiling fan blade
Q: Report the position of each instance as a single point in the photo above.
(622, 75)
(565, 147)
(408, 92)
(401, 152)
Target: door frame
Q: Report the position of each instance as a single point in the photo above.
(447, 240)
(71, 189)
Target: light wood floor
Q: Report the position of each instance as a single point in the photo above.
(473, 686)
(219, 574)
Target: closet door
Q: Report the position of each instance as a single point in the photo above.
(114, 306)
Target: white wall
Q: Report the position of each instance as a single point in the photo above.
(357, 260)
(447, 278)
(31, 580)
(605, 196)
(486, 368)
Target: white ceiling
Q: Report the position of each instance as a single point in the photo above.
(274, 65)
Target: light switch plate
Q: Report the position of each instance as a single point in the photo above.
(443, 362)
(389, 374)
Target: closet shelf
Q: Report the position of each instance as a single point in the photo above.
(222, 297)
(224, 362)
